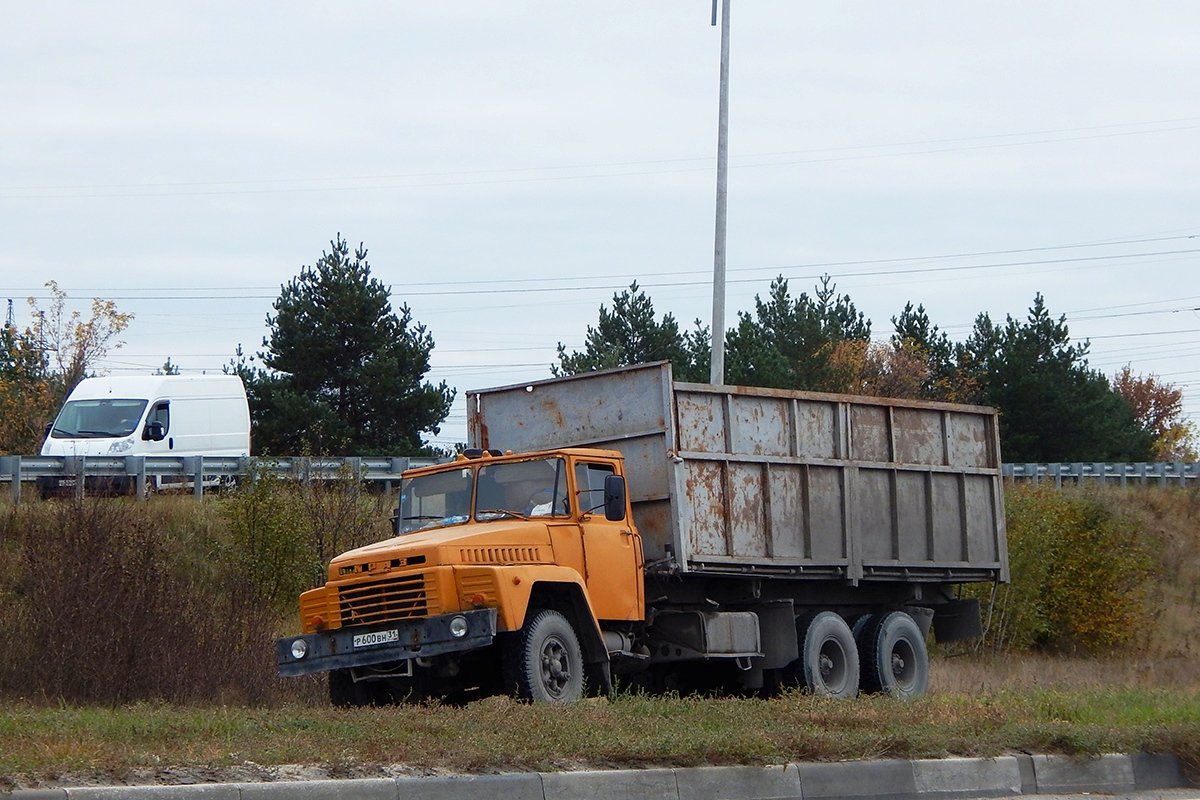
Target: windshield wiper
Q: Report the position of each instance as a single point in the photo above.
(502, 512)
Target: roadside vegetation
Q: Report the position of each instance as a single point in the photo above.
(149, 742)
(137, 640)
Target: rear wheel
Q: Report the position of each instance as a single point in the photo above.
(893, 654)
(828, 663)
(543, 662)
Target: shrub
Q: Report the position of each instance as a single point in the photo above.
(284, 533)
(104, 604)
(109, 600)
(1078, 574)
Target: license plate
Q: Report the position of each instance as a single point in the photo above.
(377, 637)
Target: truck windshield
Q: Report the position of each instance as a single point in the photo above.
(519, 489)
(98, 419)
(536, 488)
(443, 498)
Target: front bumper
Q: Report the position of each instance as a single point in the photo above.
(410, 638)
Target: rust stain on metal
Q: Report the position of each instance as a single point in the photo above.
(552, 410)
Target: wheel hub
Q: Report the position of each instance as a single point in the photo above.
(826, 666)
(556, 667)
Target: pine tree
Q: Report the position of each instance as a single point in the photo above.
(344, 370)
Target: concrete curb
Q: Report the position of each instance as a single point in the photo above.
(935, 779)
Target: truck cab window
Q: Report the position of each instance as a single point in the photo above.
(534, 488)
(589, 483)
(431, 501)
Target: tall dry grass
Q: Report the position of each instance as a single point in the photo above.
(1016, 672)
(1169, 519)
(110, 601)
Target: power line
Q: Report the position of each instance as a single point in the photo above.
(417, 292)
(202, 188)
(177, 293)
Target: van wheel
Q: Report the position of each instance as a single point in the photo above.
(894, 657)
(543, 662)
(828, 663)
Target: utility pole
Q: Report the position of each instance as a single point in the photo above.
(717, 366)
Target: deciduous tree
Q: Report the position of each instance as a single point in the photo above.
(878, 369)
(42, 363)
(27, 393)
(72, 342)
(1158, 408)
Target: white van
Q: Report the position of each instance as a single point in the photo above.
(152, 415)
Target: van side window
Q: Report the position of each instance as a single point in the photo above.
(161, 413)
(589, 483)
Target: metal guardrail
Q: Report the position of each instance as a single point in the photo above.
(199, 472)
(1143, 474)
(194, 472)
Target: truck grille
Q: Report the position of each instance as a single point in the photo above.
(316, 604)
(383, 601)
(481, 585)
(500, 555)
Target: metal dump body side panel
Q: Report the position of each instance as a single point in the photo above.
(626, 409)
(739, 480)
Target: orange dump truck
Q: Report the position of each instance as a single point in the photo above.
(620, 526)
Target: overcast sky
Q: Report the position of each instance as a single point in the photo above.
(511, 165)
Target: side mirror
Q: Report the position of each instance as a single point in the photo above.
(154, 432)
(614, 498)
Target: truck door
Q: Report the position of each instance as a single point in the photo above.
(612, 550)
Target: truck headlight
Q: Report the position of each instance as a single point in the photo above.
(123, 446)
(458, 627)
(299, 649)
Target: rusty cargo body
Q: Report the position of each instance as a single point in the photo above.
(750, 482)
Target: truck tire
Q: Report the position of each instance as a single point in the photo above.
(828, 663)
(543, 662)
(344, 692)
(893, 655)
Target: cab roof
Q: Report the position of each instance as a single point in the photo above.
(474, 457)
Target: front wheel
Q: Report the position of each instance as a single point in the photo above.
(894, 658)
(345, 692)
(543, 662)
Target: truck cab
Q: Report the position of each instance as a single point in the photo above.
(503, 569)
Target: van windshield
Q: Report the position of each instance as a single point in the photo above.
(98, 419)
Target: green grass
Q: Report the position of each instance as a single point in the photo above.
(41, 745)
